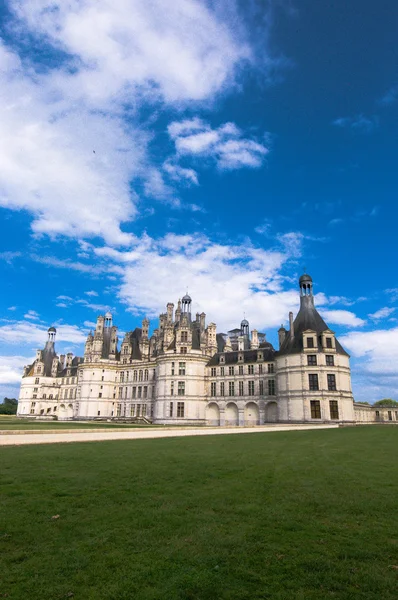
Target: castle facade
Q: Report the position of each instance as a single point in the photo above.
(187, 373)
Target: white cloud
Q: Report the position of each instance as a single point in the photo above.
(26, 332)
(342, 317)
(11, 368)
(379, 348)
(91, 293)
(382, 313)
(32, 314)
(9, 256)
(225, 145)
(212, 272)
(71, 144)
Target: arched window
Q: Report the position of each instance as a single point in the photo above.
(135, 376)
(146, 375)
(140, 376)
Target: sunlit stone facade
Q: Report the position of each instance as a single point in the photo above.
(186, 373)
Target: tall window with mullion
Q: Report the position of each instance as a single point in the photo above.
(181, 388)
(271, 387)
(315, 409)
(231, 388)
(251, 388)
(180, 409)
(313, 382)
(213, 388)
(181, 368)
(332, 382)
(334, 409)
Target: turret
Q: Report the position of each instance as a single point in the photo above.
(254, 341)
(281, 335)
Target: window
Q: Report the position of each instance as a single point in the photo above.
(102, 378)
(172, 388)
(315, 409)
(100, 395)
(134, 392)
(184, 350)
(332, 383)
(50, 397)
(180, 409)
(389, 415)
(140, 375)
(139, 391)
(37, 380)
(138, 413)
(270, 368)
(231, 388)
(310, 342)
(184, 336)
(127, 376)
(261, 387)
(144, 410)
(181, 368)
(231, 370)
(377, 414)
(260, 369)
(145, 391)
(240, 388)
(329, 360)
(250, 369)
(132, 410)
(120, 392)
(213, 388)
(172, 368)
(222, 389)
(118, 410)
(213, 371)
(35, 390)
(44, 396)
(271, 387)
(170, 409)
(135, 376)
(146, 375)
(181, 388)
(240, 369)
(311, 360)
(313, 382)
(34, 396)
(222, 371)
(329, 342)
(334, 409)
(121, 376)
(251, 388)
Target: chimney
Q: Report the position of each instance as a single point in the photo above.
(281, 335)
(291, 325)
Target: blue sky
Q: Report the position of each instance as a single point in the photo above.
(147, 148)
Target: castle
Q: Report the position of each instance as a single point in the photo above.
(187, 373)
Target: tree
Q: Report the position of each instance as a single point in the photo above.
(386, 402)
(9, 406)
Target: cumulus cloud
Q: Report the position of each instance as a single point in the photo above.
(342, 317)
(11, 368)
(225, 145)
(378, 348)
(71, 141)
(225, 280)
(26, 332)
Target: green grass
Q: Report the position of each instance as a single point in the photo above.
(290, 515)
(13, 423)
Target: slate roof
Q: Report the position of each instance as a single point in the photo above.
(307, 318)
(249, 356)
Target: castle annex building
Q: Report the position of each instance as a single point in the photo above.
(187, 373)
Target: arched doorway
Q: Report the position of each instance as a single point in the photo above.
(252, 414)
(70, 411)
(231, 414)
(213, 414)
(62, 412)
(271, 412)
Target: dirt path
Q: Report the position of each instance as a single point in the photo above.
(96, 436)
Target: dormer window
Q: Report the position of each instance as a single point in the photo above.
(222, 359)
(310, 342)
(329, 343)
(184, 336)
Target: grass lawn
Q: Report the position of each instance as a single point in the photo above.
(13, 423)
(285, 515)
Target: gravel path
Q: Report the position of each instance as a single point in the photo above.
(96, 436)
